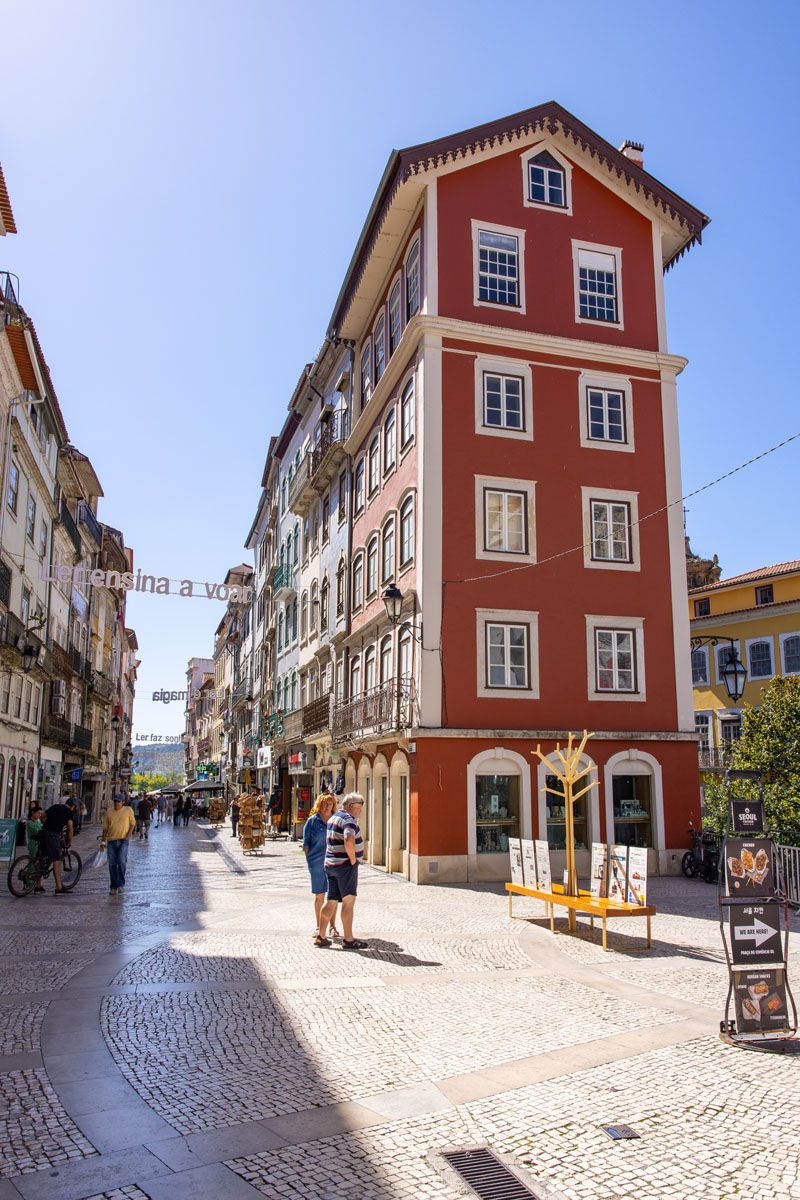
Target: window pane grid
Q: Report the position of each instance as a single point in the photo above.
(498, 268)
(761, 659)
(611, 531)
(546, 185)
(502, 401)
(507, 656)
(505, 522)
(791, 655)
(606, 415)
(614, 653)
(598, 294)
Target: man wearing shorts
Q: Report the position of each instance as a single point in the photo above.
(57, 818)
(344, 849)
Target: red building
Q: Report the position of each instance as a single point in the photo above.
(513, 420)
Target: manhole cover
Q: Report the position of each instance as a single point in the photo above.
(619, 1132)
(486, 1175)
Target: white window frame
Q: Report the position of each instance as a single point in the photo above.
(636, 624)
(373, 545)
(358, 566)
(365, 379)
(409, 385)
(605, 383)
(499, 484)
(358, 506)
(489, 365)
(380, 320)
(704, 651)
(610, 496)
(751, 642)
(708, 713)
(526, 157)
(784, 637)
(403, 566)
(506, 616)
(415, 241)
(373, 458)
(389, 422)
(397, 282)
(596, 248)
(725, 645)
(389, 525)
(479, 227)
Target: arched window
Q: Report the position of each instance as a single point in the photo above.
(280, 630)
(412, 281)
(379, 340)
(791, 655)
(369, 669)
(407, 531)
(394, 316)
(323, 605)
(366, 374)
(288, 550)
(386, 659)
(294, 620)
(283, 497)
(372, 567)
(407, 415)
(286, 694)
(355, 678)
(389, 441)
(387, 551)
(358, 582)
(304, 616)
(296, 543)
(314, 606)
(374, 467)
(280, 557)
(404, 657)
(341, 578)
(294, 691)
(12, 779)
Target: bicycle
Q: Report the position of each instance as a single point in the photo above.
(703, 858)
(25, 872)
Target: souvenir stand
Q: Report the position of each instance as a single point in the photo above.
(251, 823)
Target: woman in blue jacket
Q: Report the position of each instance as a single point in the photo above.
(314, 835)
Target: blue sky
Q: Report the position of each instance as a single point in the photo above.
(189, 181)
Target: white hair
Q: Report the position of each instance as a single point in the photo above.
(352, 798)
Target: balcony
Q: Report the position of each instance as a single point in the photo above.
(81, 737)
(86, 517)
(9, 293)
(101, 686)
(382, 709)
(317, 716)
(70, 528)
(321, 462)
(204, 747)
(715, 758)
(242, 693)
(56, 729)
(283, 581)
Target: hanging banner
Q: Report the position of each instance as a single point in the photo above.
(755, 933)
(529, 863)
(747, 816)
(544, 878)
(748, 868)
(515, 854)
(637, 875)
(760, 1001)
(617, 874)
(598, 871)
(8, 839)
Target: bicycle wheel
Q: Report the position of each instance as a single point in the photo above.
(21, 878)
(688, 865)
(71, 867)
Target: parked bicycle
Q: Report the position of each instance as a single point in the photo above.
(25, 873)
(702, 861)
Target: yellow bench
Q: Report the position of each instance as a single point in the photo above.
(586, 903)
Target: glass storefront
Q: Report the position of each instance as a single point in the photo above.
(632, 810)
(557, 817)
(496, 812)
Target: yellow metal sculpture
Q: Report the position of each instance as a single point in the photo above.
(570, 775)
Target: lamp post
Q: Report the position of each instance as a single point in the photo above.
(734, 673)
(393, 602)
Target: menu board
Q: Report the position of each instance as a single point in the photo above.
(515, 853)
(617, 874)
(529, 863)
(748, 867)
(543, 876)
(755, 932)
(8, 838)
(637, 875)
(747, 816)
(760, 1000)
(598, 870)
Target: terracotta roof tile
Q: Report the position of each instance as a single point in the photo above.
(786, 568)
(6, 215)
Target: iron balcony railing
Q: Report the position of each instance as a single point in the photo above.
(329, 435)
(70, 527)
(86, 517)
(714, 758)
(299, 481)
(57, 728)
(242, 693)
(317, 715)
(5, 584)
(283, 577)
(390, 706)
(102, 686)
(9, 296)
(81, 737)
(12, 631)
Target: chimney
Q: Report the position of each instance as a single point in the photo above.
(633, 151)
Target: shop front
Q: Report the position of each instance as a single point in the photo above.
(264, 761)
(49, 779)
(301, 782)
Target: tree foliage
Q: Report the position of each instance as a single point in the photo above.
(770, 743)
(152, 781)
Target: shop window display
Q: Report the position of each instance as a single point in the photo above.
(632, 810)
(557, 817)
(496, 811)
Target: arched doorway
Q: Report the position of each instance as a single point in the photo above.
(399, 805)
(635, 804)
(364, 788)
(379, 847)
(552, 824)
(498, 808)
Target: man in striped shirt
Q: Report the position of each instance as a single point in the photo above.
(344, 849)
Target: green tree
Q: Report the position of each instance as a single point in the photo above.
(151, 781)
(770, 743)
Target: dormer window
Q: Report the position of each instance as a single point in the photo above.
(547, 181)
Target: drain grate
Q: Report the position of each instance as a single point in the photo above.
(488, 1177)
(619, 1132)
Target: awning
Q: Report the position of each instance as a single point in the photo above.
(203, 785)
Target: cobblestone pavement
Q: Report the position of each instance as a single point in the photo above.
(188, 1039)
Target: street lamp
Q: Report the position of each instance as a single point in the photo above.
(393, 602)
(29, 656)
(734, 673)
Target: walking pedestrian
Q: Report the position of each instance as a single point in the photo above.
(176, 812)
(143, 820)
(314, 839)
(344, 849)
(235, 812)
(187, 811)
(118, 826)
(57, 820)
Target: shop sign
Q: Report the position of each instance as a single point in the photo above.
(760, 1001)
(8, 839)
(297, 763)
(264, 758)
(76, 775)
(747, 816)
(529, 863)
(598, 871)
(515, 851)
(544, 875)
(748, 868)
(755, 933)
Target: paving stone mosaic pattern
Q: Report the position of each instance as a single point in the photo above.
(20, 1027)
(35, 1132)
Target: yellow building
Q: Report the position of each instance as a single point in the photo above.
(760, 610)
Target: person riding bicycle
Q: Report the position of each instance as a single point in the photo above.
(33, 830)
(57, 821)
